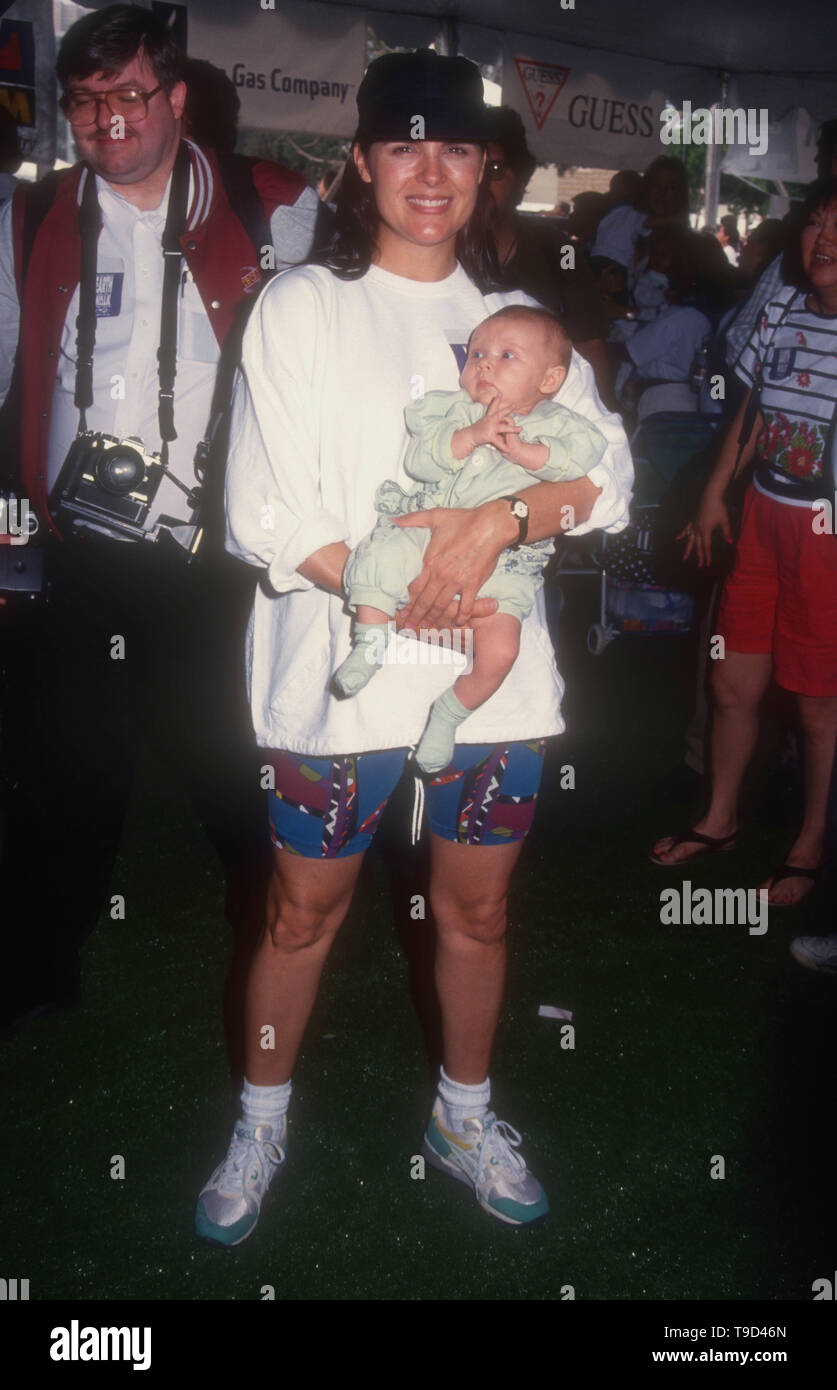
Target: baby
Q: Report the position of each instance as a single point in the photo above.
(501, 433)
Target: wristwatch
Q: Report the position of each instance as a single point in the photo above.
(520, 512)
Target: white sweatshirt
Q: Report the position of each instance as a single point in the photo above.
(328, 367)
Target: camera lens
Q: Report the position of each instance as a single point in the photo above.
(120, 470)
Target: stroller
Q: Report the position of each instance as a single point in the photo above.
(635, 595)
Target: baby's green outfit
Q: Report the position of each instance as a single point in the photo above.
(383, 565)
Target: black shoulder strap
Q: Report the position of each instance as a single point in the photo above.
(172, 255)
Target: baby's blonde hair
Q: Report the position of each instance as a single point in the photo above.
(554, 328)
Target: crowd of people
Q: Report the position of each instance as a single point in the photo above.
(709, 324)
(431, 389)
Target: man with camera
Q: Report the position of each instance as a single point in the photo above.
(123, 282)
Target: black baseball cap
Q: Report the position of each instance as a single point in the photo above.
(446, 92)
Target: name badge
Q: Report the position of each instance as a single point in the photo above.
(109, 293)
(781, 363)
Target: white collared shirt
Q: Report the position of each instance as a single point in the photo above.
(129, 271)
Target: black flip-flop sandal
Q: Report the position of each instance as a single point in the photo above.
(793, 871)
(708, 843)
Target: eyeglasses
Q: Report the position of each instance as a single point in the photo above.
(82, 108)
(497, 169)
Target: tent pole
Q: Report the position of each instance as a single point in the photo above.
(711, 183)
(712, 168)
(448, 43)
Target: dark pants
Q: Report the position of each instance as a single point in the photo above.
(73, 712)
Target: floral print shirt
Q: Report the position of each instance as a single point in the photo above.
(794, 352)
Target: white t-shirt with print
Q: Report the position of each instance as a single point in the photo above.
(328, 366)
(796, 351)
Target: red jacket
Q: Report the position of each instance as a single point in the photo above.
(216, 248)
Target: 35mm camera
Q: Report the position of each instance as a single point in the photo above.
(111, 484)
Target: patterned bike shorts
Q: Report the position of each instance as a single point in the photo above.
(327, 808)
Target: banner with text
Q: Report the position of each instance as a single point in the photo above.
(582, 106)
(797, 110)
(791, 153)
(297, 68)
(27, 75)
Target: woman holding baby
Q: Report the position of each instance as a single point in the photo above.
(332, 356)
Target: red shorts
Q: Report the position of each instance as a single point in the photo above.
(781, 596)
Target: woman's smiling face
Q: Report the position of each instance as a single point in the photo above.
(425, 190)
(819, 247)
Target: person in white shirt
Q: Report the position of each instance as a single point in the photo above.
(318, 425)
(73, 700)
(500, 433)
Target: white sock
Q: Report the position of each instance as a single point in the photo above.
(464, 1102)
(265, 1105)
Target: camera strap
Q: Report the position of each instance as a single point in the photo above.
(172, 254)
(90, 223)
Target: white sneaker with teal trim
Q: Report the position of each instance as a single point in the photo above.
(229, 1205)
(482, 1154)
(817, 952)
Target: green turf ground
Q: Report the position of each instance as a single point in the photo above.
(690, 1042)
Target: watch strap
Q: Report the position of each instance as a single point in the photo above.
(522, 521)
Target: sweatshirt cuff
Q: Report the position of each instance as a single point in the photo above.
(323, 528)
(610, 509)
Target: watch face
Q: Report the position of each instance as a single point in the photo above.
(520, 509)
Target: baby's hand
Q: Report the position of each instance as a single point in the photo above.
(496, 426)
(532, 456)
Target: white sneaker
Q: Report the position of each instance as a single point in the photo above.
(229, 1205)
(482, 1154)
(816, 952)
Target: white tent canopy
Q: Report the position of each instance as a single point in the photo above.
(590, 82)
(770, 36)
(614, 60)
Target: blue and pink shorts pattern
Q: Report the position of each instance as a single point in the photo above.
(326, 808)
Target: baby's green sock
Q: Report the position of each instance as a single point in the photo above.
(436, 745)
(369, 643)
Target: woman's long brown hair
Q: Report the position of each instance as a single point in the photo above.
(349, 253)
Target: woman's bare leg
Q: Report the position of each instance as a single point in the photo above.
(738, 686)
(307, 901)
(819, 727)
(468, 892)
